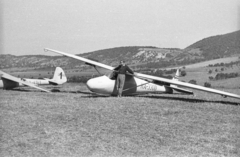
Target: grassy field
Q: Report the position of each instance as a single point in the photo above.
(201, 75)
(74, 122)
(49, 73)
(214, 61)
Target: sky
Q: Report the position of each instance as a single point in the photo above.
(79, 26)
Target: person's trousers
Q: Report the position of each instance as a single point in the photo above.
(120, 83)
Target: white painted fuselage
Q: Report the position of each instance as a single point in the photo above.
(132, 86)
(59, 77)
(37, 81)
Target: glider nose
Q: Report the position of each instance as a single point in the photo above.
(101, 85)
(90, 84)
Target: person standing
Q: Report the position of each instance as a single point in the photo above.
(122, 69)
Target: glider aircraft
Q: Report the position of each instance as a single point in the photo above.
(9, 82)
(138, 83)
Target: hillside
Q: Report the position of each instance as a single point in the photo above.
(134, 55)
(215, 47)
(219, 46)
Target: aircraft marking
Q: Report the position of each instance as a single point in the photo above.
(150, 87)
(61, 75)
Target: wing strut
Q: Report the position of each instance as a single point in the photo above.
(94, 67)
(97, 70)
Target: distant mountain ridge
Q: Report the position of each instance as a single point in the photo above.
(219, 46)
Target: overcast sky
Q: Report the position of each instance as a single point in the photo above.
(78, 26)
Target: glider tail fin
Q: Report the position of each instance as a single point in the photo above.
(177, 75)
(176, 88)
(59, 77)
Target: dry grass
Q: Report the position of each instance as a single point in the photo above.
(201, 75)
(214, 61)
(74, 122)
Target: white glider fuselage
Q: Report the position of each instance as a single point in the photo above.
(139, 83)
(59, 77)
(132, 86)
(38, 81)
(44, 81)
(11, 84)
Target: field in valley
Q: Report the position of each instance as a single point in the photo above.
(74, 122)
(197, 71)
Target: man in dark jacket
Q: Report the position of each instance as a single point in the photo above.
(122, 69)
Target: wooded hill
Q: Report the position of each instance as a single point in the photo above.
(219, 46)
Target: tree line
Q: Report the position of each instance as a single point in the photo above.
(221, 76)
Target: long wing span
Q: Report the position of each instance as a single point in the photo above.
(150, 77)
(14, 79)
(188, 85)
(91, 62)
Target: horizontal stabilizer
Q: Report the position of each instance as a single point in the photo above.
(181, 90)
(53, 83)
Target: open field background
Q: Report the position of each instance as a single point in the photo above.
(214, 61)
(74, 122)
(197, 71)
(200, 74)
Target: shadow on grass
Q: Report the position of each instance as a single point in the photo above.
(76, 92)
(22, 90)
(192, 100)
(30, 90)
(169, 97)
(86, 94)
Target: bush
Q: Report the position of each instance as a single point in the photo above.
(210, 78)
(221, 76)
(193, 82)
(207, 84)
(183, 73)
(82, 79)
